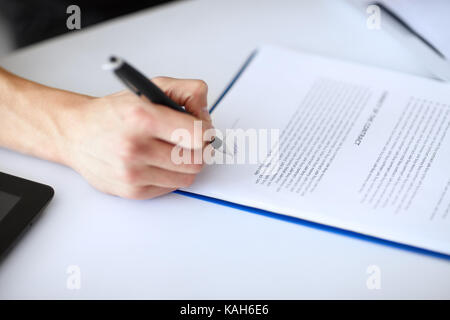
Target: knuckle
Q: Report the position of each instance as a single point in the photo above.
(159, 79)
(150, 121)
(128, 149)
(161, 155)
(140, 116)
(196, 168)
(135, 193)
(136, 112)
(187, 180)
(130, 176)
(155, 156)
(201, 87)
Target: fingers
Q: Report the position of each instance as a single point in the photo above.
(177, 128)
(127, 184)
(148, 192)
(172, 126)
(148, 121)
(147, 175)
(139, 150)
(192, 94)
(164, 155)
(142, 150)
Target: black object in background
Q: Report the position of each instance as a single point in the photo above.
(21, 202)
(32, 21)
(7, 202)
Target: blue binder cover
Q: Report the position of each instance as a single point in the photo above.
(300, 221)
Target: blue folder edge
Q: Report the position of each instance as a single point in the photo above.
(300, 221)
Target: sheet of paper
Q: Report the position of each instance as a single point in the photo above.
(360, 148)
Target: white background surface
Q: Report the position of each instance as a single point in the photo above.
(177, 247)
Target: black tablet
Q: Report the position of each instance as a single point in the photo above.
(21, 201)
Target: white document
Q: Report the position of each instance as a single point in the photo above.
(361, 148)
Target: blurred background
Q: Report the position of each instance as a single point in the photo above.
(25, 22)
(422, 27)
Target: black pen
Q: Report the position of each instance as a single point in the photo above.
(434, 59)
(409, 28)
(141, 85)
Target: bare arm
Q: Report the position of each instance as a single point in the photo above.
(32, 116)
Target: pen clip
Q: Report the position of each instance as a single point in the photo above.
(129, 84)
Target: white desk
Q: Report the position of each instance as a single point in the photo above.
(177, 247)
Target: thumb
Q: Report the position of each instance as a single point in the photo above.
(192, 94)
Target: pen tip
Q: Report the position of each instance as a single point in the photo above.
(112, 59)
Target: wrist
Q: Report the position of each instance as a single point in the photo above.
(38, 120)
(68, 116)
(48, 117)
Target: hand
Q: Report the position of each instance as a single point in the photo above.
(122, 144)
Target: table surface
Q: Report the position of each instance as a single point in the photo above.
(175, 247)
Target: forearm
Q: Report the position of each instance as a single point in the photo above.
(34, 119)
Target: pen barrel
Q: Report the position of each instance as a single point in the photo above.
(141, 85)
